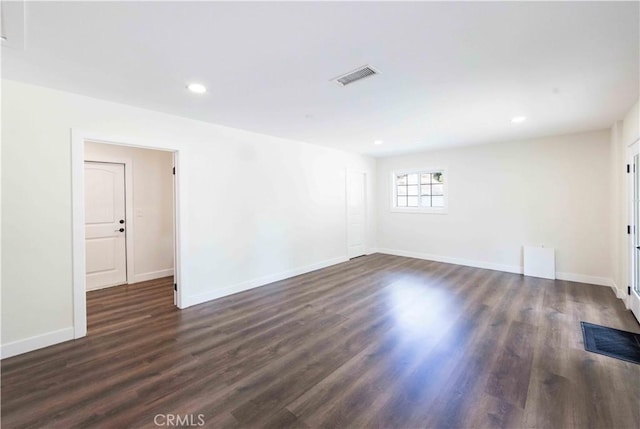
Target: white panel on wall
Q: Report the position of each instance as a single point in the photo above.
(540, 262)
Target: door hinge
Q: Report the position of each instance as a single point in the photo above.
(628, 290)
(628, 168)
(628, 229)
(175, 287)
(174, 170)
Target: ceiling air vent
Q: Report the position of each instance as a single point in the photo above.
(355, 75)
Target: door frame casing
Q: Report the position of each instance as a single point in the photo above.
(128, 207)
(78, 139)
(632, 301)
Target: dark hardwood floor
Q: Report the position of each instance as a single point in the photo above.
(379, 341)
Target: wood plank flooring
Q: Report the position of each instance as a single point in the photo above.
(379, 341)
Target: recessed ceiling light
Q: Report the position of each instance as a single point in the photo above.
(378, 142)
(197, 88)
(518, 119)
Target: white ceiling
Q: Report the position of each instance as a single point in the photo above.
(451, 73)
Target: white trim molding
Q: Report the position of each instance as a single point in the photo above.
(457, 261)
(516, 269)
(620, 294)
(38, 342)
(261, 281)
(581, 278)
(143, 277)
(78, 241)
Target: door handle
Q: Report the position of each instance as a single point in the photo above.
(121, 220)
(120, 230)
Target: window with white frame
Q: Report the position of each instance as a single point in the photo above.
(423, 191)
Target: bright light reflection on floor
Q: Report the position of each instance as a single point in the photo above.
(419, 309)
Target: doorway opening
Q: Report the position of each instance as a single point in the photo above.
(126, 241)
(356, 213)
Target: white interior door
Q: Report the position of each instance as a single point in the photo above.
(356, 214)
(105, 229)
(634, 198)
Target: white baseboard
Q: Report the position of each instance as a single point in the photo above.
(620, 294)
(580, 278)
(152, 275)
(240, 287)
(137, 278)
(37, 342)
(457, 261)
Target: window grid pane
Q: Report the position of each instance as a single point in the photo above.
(437, 201)
(421, 189)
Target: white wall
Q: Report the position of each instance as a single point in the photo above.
(253, 208)
(152, 177)
(552, 191)
(631, 125)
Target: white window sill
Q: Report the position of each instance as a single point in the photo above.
(419, 210)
